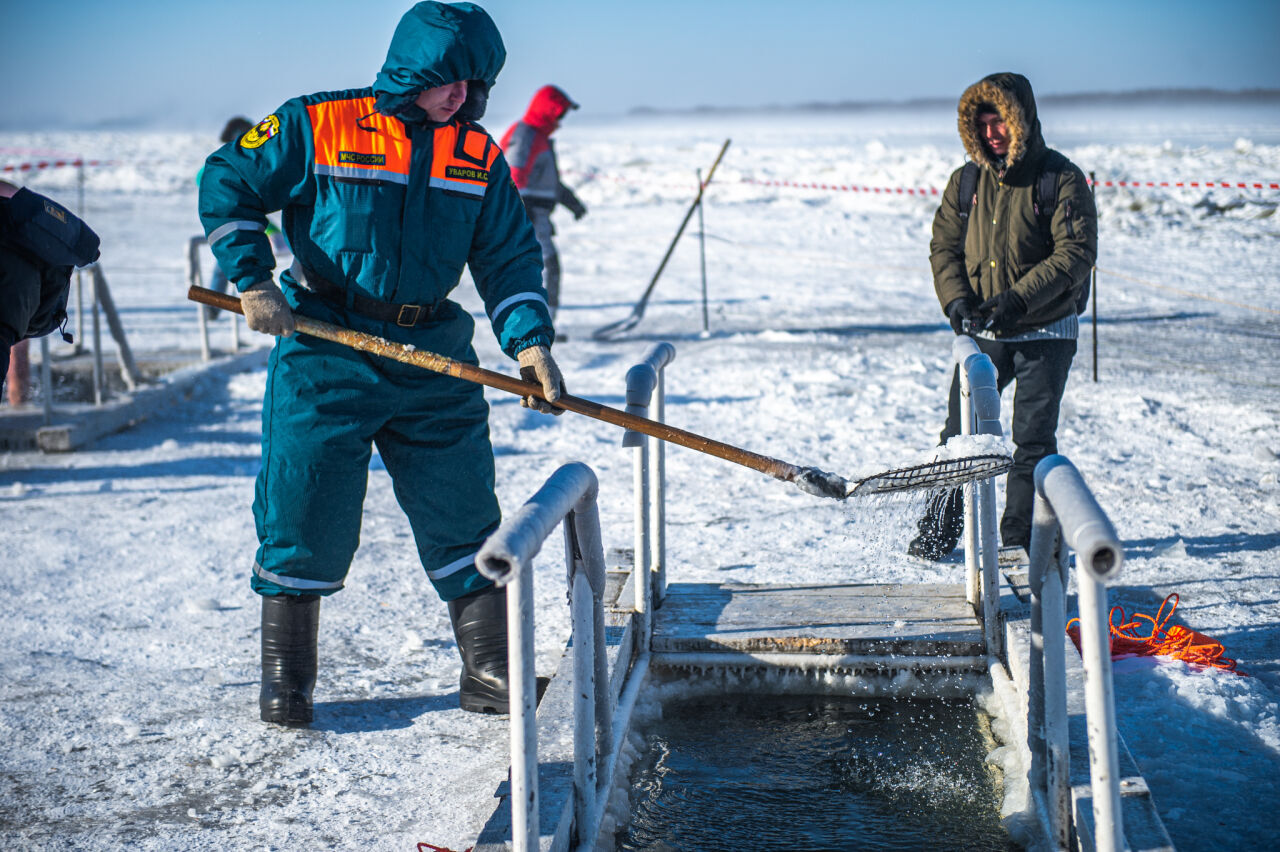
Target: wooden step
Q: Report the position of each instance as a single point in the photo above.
(885, 619)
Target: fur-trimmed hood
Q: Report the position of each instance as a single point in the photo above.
(1012, 97)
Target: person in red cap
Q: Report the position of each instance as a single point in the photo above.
(528, 149)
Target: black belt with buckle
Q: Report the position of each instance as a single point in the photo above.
(406, 316)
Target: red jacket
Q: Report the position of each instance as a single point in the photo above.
(531, 155)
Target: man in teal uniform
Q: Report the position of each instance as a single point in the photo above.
(387, 193)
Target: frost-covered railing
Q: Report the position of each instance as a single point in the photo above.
(649, 478)
(195, 278)
(505, 558)
(1067, 515)
(980, 415)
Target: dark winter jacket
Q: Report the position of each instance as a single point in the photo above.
(532, 155)
(40, 242)
(1004, 246)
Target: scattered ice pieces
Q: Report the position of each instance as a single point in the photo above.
(973, 445)
(1176, 549)
(223, 759)
(17, 489)
(194, 605)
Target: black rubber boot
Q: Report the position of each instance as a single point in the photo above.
(940, 528)
(289, 627)
(480, 626)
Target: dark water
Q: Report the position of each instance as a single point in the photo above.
(798, 773)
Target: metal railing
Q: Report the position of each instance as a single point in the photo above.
(980, 415)
(505, 558)
(1067, 515)
(102, 304)
(195, 278)
(649, 575)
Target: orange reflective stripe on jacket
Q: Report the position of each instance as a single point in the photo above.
(353, 140)
(462, 160)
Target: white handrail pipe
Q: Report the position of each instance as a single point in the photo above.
(1066, 506)
(980, 414)
(648, 484)
(1085, 526)
(506, 559)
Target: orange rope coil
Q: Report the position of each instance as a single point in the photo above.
(1176, 642)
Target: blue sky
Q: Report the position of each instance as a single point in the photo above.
(182, 64)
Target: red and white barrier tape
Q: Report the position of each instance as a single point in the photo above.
(900, 190)
(845, 187)
(54, 164)
(1207, 184)
(934, 191)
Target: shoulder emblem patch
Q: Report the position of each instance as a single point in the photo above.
(261, 132)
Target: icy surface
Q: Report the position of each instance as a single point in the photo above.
(128, 680)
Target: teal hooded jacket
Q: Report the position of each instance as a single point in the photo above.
(381, 201)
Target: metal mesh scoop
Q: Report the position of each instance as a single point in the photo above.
(936, 474)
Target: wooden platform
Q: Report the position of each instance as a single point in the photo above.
(915, 620)
(173, 376)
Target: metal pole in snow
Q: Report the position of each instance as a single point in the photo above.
(98, 381)
(46, 381)
(702, 255)
(79, 344)
(1093, 283)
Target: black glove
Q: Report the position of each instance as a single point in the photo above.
(964, 316)
(1002, 312)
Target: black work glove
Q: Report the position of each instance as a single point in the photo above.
(1002, 312)
(964, 315)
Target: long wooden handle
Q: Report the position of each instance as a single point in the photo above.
(471, 373)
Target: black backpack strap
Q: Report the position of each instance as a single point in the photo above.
(968, 191)
(1045, 199)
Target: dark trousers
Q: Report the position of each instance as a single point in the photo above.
(1040, 368)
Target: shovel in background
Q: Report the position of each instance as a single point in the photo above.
(630, 321)
(809, 479)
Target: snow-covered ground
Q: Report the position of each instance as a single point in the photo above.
(128, 679)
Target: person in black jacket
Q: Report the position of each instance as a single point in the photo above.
(1010, 270)
(40, 242)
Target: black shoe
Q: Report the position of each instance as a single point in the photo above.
(289, 627)
(940, 528)
(480, 626)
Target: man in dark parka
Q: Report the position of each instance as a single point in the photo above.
(1014, 284)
